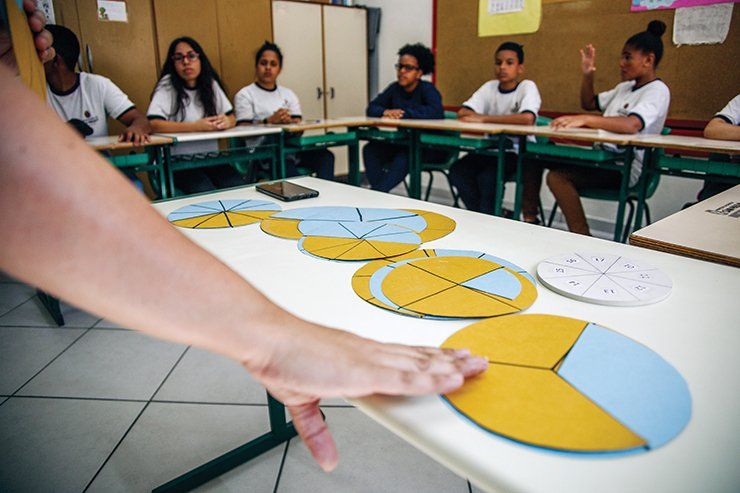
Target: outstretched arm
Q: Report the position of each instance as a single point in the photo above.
(75, 228)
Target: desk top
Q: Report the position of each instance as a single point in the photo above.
(687, 143)
(239, 131)
(111, 143)
(350, 121)
(709, 230)
(695, 330)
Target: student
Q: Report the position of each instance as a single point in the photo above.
(157, 281)
(87, 100)
(189, 97)
(724, 126)
(386, 165)
(637, 105)
(264, 101)
(504, 100)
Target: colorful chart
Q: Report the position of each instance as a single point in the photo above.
(452, 287)
(216, 214)
(366, 282)
(604, 279)
(569, 385)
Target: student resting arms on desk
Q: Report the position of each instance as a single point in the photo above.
(264, 101)
(724, 126)
(637, 105)
(386, 165)
(189, 97)
(152, 278)
(87, 100)
(503, 100)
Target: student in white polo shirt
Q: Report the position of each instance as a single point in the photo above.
(264, 101)
(637, 105)
(726, 124)
(503, 100)
(87, 100)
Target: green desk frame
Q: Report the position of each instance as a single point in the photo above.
(297, 143)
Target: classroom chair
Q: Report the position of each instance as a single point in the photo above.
(443, 167)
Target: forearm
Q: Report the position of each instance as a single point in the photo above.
(71, 233)
(616, 124)
(167, 126)
(588, 96)
(517, 119)
(721, 130)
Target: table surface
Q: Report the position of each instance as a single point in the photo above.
(111, 143)
(697, 233)
(239, 131)
(695, 330)
(688, 143)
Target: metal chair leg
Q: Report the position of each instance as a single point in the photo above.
(429, 186)
(628, 223)
(647, 214)
(552, 214)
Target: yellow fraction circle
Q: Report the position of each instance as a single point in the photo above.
(434, 286)
(224, 219)
(438, 225)
(354, 248)
(282, 228)
(522, 397)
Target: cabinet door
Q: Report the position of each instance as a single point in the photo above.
(345, 59)
(125, 52)
(297, 30)
(242, 28)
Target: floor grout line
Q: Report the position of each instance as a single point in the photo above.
(18, 305)
(282, 464)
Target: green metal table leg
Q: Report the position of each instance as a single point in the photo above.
(627, 167)
(170, 174)
(354, 162)
(280, 432)
(415, 164)
(499, 195)
(647, 172)
(519, 185)
(161, 171)
(52, 306)
(281, 155)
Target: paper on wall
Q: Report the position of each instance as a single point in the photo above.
(504, 6)
(505, 17)
(702, 25)
(112, 11)
(47, 8)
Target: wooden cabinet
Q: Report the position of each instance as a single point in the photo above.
(345, 61)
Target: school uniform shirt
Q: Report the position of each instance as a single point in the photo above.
(491, 100)
(91, 100)
(648, 102)
(164, 102)
(421, 103)
(254, 103)
(731, 112)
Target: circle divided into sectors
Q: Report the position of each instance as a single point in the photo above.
(367, 281)
(569, 385)
(216, 214)
(604, 279)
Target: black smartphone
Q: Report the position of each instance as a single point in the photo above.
(286, 191)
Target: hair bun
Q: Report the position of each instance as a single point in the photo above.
(656, 28)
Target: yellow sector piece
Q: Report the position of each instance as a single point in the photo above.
(326, 247)
(455, 269)
(538, 407)
(412, 285)
(361, 286)
(530, 340)
(217, 221)
(438, 225)
(373, 249)
(194, 222)
(526, 297)
(459, 302)
(282, 228)
(370, 268)
(243, 219)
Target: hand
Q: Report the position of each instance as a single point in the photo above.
(571, 121)
(588, 60)
(394, 114)
(281, 116)
(223, 122)
(474, 118)
(134, 134)
(42, 38)
(209, 124)
(333, 363)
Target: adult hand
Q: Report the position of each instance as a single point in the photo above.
(571, 121)
(333, 363)
(42, 38)
(394, 114)
(588, 60)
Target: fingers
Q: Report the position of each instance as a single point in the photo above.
(315, 434)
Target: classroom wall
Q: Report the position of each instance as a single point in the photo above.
(702, 78)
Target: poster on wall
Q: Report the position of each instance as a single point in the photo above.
(505, 17)
(112, 11)
(702, 25)
(47, 8)
(642, 5)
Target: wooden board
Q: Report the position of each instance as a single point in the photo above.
(111, 143)
(697, 233)
(701, 82)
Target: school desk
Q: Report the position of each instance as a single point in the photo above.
(709, 230)
(694, 329)
(236, 153)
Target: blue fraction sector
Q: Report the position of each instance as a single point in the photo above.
(499, 282)
(630, 382)
(250, 205)
(321, 213)
(407, 219)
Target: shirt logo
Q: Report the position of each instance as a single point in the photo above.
(626, 105)
(87, 114)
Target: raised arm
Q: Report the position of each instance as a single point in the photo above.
(588, 67)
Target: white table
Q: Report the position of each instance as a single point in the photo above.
(239, 131)
(695, 329)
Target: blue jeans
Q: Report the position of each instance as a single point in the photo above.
(386, 165)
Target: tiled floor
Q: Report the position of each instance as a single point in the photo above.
(94, 407)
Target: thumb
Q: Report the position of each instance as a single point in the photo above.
(315, 434)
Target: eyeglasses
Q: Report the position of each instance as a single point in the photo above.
(405, 66)
(191, 56)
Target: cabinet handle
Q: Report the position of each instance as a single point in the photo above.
(331, 92)
(88, 52)
(319, 93)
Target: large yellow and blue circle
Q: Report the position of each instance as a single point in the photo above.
(568, 385)
(215, 214)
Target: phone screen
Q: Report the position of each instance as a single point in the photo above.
(286, 190)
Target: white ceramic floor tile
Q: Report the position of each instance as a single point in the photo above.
(107, 324)
(58, 444)
(12, 295)
(33, 313)
(202, 376)
(24, 351)
(109, 364)
(371, 459)
(171, 439)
